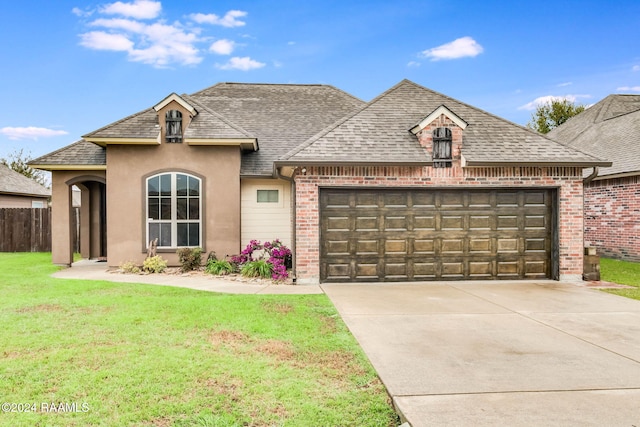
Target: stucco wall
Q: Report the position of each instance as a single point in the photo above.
(127, 168)
(568, 181)
(9, 201)
(612, 217)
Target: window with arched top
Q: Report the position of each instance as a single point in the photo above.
(173, 130)
(442, 141)
(174, 210)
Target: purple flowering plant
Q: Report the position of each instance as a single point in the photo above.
(276, 252)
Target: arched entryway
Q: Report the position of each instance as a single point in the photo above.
(79, 211)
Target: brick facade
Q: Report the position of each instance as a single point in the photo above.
(567, 180)
(612, 217)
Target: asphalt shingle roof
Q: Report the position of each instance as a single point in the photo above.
(336, 126)
(78, 153)
(609, 129)
(379, 133)
(12, 182)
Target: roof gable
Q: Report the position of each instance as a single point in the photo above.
(441, 110)
(378, 133)
(177, 98)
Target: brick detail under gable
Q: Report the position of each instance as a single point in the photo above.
(567, 180)
(612, 217)
(425, 136)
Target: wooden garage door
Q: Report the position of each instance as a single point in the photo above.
(398, 235)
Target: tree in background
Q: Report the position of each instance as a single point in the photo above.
(552, 114)
(17, 161)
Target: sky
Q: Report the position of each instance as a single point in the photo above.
(71, 67)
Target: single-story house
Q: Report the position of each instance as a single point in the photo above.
(413, 185)
(610, 129)
(18, 191)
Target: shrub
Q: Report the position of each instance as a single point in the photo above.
(259, 268)
(190, 258)
(154, 264)
(279, 257)
(219, 267)
(129, 267)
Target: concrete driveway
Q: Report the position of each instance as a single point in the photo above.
(499, 353)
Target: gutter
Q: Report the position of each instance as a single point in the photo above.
(293, 218)
(593, 174)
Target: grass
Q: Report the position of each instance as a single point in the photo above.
(143, 355)
(624, 273)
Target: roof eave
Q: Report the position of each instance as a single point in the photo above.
(245, 144)
(493, 163)
(104, 141)
(69, 167)
(280, 163)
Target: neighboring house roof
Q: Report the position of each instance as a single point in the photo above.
(380, 133)
(609, 129)
(79, 155)
(14, 183)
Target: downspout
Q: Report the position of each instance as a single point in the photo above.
(293, 218)
(593, 174)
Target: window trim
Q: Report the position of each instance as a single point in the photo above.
(174, 221)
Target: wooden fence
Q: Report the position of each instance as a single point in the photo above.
(25, 230)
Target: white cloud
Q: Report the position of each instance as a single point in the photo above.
(243, 64)
(30, 132)
(635, 68)
(155, 42)
(629, 89)
(139, 9)
(548, 99)
(222, 47)
(411, 64)
(459, 48)
(100, 40)
(81, 13)
(120, 24)
(565, 84)
(230, 19)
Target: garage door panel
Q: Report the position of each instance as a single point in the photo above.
(385, 235)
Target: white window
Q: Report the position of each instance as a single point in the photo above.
(268, 196)
(174, 210)
(36, 204)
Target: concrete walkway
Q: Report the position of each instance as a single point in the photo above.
(94, 270)
(500, 353)
(477, 353)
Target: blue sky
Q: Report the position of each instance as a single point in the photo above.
(71, 67)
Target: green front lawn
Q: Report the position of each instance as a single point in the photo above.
(142, 355)
(621, 272)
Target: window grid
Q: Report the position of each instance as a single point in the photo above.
(174, 210)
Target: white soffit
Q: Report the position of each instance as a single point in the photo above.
(175, 97)
(437, 113)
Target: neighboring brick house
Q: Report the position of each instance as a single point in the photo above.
(610, 129)
(413, 185)
(18, 191)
